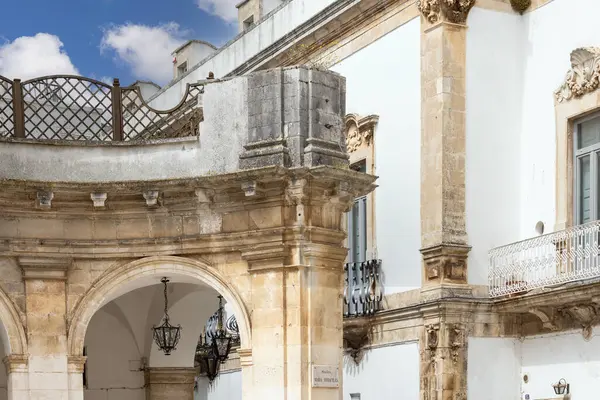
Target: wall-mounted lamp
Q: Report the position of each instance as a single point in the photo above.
(562, 387)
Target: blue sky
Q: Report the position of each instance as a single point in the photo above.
(127, 39)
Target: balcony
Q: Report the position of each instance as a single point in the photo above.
(363, 295)
(545, 261)
(73, 108)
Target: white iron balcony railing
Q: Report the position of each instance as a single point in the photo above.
(548, 260)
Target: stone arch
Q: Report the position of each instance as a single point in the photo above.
(13, 333)
(110, 284)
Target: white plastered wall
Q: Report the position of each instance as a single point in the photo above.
(384, 79)
(384, 372)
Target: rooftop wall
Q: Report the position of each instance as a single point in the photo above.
(284, 117)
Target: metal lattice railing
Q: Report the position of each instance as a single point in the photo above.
(65, 107)
(553, 259)
(363, 291)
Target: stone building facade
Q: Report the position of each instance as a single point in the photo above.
(471, 271)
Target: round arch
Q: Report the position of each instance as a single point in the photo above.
(13, 333)
(112, 284)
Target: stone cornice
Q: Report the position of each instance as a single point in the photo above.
(584, 75)
(169, 375)
(50, 249)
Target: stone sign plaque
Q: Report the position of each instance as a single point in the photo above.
(326, 376)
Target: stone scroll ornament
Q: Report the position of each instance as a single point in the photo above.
(584, 75)
(455, 11)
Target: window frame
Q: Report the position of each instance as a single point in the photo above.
(593, 152)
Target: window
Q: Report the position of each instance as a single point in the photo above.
(182, 69)
(587, 178)
(248, 23)
(357, 223)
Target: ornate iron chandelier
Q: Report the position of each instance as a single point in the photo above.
(166, 335)
(206, 358)
(221, 340)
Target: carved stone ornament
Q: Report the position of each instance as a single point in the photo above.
(151, 197)
(584, 75)
(520, 6)
(432, 336)
(456, 340)
(98, 199)
(357, 335)
(359, 131)
(44, 199)
(455, 11)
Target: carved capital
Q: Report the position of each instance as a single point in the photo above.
(99, 199)
(252, 189)
(446, 262)
(455, 11)
(584, 75)
(16, 363)
(76, 363)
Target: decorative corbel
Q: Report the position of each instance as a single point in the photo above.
(357, 335)
(550, 318)
(98, 199)
(432, 337)
(205, 196)
(252, 189)
(44, 199)
(151, 197)
(584, 315)
(520, 6)
(584, 75)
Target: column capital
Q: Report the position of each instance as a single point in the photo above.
(454, 11)
(76, 363)
(45, 268)
(245, 357)
(16, 363)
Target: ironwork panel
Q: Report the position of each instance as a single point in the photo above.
(67, 108)
(363, 289)
(7, 121)
(142, 122)
(553, 259)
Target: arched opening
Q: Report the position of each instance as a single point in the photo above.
(112, 326)
(13, 346)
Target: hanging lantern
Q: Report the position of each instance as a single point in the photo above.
(166, 335)
(562, 387)
(206, 358)
(221, 340)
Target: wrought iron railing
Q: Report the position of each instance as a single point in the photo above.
(65, 107)
(363, 291)
(565, 256)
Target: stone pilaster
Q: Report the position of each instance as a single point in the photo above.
(443, 58)
(75, 370)
(170, 383)
(45, 300)
(17, 370)
(443, 361)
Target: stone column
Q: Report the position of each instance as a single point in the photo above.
(170, 383)
(45, 300)
(17, 370)
(443, 59)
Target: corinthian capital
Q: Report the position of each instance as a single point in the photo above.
(455, 11)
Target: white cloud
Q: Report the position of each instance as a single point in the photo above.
(224, 9)
(146, 49)
(34, 56)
